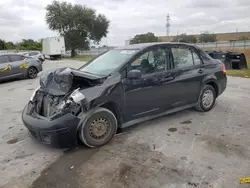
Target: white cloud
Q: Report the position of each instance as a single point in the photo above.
(26, 18)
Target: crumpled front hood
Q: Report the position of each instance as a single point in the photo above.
(60, 81)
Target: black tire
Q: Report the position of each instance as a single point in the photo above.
(32, 72)
(201, 105)
(88, 132)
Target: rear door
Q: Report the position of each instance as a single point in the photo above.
(18, 64)
(188, 71)
(5, 67)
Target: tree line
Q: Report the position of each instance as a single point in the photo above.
(150, 37)
(202, 38)
(25, 44)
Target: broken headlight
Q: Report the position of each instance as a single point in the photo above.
(76, 96)
(74, 99)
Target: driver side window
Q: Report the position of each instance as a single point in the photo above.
(150, 62)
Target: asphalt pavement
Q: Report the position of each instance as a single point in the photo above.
(182, 150)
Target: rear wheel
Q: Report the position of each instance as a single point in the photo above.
(99, 128)
(32, 72)
(207, 99)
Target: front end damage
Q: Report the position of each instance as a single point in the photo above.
(51, 115)
(63, 100)
(60, 92)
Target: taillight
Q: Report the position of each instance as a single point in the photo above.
(224, 68)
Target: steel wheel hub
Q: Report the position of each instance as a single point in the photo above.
(208, 98)
(32, 72)
(99, 128)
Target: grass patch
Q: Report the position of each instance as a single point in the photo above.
(83, 58)
(245, 73)
(239, 73)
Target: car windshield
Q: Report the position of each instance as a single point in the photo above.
(108, 62)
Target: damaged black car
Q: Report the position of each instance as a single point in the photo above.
(122, 87)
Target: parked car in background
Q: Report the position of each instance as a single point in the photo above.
(119, 88)
(16, 66)
(34, 54)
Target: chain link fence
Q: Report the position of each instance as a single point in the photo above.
(209, 45)
(242, 44)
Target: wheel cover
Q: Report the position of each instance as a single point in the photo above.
(32, 72)
(207, 99)
(99, 128)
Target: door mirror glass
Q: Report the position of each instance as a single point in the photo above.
(134, 74)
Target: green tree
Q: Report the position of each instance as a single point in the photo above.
(77, 23)
(3, 45)
(144, 38)
(207, 37)
(29, 44)
(243, 38)
(185, 38)
(10, 45)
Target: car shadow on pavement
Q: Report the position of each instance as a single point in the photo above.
(64, 170)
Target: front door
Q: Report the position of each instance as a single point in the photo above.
(146, 95)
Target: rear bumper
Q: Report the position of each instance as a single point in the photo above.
(223, 84)
(59, 133)
(40, 67)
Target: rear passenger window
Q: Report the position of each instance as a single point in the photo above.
(4, 59)
(197, 60)
(16, 58)
(204, 56)
(182, 57)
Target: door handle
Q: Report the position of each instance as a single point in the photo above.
(201, 71)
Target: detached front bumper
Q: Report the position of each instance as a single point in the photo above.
(59, 133)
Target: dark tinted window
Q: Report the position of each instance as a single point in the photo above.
(16, 58)
(4, 59)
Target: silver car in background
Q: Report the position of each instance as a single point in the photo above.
(18, 66)
(34, 54)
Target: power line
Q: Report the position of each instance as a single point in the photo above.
(167, 24)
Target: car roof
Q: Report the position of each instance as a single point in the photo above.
(10, 54)
(141, 46)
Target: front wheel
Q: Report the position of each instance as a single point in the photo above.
(207, 99)
(99, 128)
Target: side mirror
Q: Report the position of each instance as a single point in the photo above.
(134, 74)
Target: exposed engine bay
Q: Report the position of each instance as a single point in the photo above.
(60, 90)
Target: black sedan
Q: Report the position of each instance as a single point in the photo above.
(119, 88)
